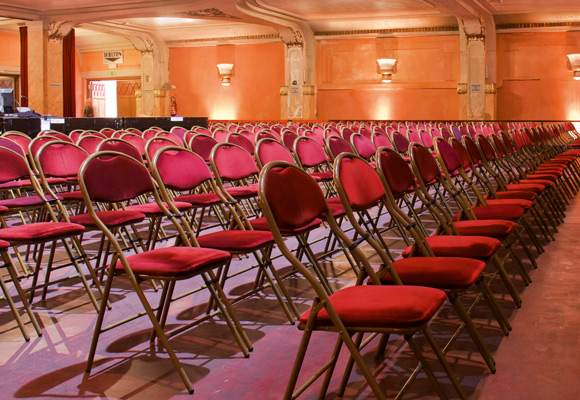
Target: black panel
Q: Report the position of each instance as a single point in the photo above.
(30, 126)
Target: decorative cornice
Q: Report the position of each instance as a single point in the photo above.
(207, 13)
(58, 30)
(389, 31)
(308, 90)
(490, 88)
(273, 36)
(283, 90)
(461, 88)
(526, 25)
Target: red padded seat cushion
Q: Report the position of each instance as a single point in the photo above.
(243, 191)
(175, 262)
(153, 208)
(322, 176)
(495, 228)
(551, 171)
(543, 182)
(110, 218)
(515, 194)
(239, 241)
(479, 247)
(451, 273)
(26, 201)
(70, 196)
(382, 306)
(199, 199)
(261, 224)
(543, 176)
(40, 231)
(536, 188)
(3, 209)
(4, 245)
(507, 212)
(525, 204)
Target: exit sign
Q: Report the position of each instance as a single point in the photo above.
(111, 73)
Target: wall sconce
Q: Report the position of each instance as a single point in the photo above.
(574, 65)
(226, 71)
(386, 67)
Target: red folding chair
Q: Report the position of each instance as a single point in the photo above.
(291, 199)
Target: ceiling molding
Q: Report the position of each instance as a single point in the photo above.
(539, 25)
(221, 40)
(394, 31)
(90, 48)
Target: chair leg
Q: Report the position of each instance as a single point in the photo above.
(229, 315)
(444, 363)
(350, 363)
(507, 281)
(494, 307)
(330, 370)
(518, 263)
(473, 332)
(526, 249)
(11, 271)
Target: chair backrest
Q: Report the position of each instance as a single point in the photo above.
(294, 198)
(220, 135)
(448, 155)
(13, 166)
(202, 145)
(242, 141)
(22, 139)
(75, 135)
(11, 145)
(337, 145)
(155, 144)
(60, 159)
(89, 143)
(473, 150)
(170, 136)
(135, 131)
(358, 181)
(179, 132)
(201, 129)
(268, 150)
(424, 164)
(111, 177)
(136, 140)
(380, 140)
(456, 132)
(398, 175)
(401, 143)
(462, 153)
(38, 142)
(347, 133)
(309, 152)
(108, 132)
(426, 138)
(445, 133)
(316, 136)
(150, 133)
(413, 136)
(120, 146)
(288, 138)
(486, 148)
(266, 134)
(362, 146)
(180, 169)
(232, 163)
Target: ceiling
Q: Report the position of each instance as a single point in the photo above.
(200, 22)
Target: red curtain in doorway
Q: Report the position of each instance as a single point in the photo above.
(68, 74)
(23, 67)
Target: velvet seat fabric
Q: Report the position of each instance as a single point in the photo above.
(175, 262)
(72, 196)
(452, 273)
(322, 176)
(110, 218)
(199, 199)
(3, 209)
(516, 194)
(525, 204)
(382, 306)
(40, 231)
(243, 191)
(494, 228)
(529, 187)
(544, 182)
(4, 245)
(237, 241)
(261, 224)
(26, 201)
(154, 209)
(478, 247)
(507, 212)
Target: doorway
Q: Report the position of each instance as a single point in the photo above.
(114, 98)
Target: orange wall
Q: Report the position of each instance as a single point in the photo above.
(424, 86)
(533, 79)
(93, 61)
(10, 54)
(254, 93)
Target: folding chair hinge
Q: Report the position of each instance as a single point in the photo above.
(357, 242)
(411, 226)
